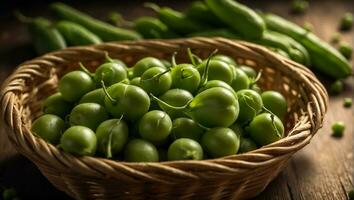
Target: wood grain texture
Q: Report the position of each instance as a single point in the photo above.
(322, 170)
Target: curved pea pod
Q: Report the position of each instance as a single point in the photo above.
(76, 34)
(279, 51)
(216, 33)
(151, 27)
(280, 41)
(199, 11)
(295, 45)
(239, 17)
(103, 30)
(324, 57)
(44, 36)
(177, 21)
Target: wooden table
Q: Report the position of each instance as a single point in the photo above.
(322, 170)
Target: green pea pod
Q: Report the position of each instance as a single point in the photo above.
(304, 54)
(45, 37)
(103, 30)
(151, 27)
(76, 34)
(324, 57)
(279, 51)
(199, 11)
(279, 41)
(177, 21)
(216, 33)
(239, 17)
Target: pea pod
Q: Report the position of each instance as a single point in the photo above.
(239, 17)
(151, 27)
(216, 33)
(199, 11)
(280, 41)
(324, 57)
(45, 37)
(76, 34)
(103, 30)
(177, 21)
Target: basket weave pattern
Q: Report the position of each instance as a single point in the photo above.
(234, 177)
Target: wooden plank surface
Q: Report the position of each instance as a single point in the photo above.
(322, 170)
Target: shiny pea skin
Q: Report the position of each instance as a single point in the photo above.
(186, 128)
(95, 96)
(75, 84)
(79, 140)
(89, 115)
(175, 97)
(49, 127)
(57, 105)
(185, 149)
(138, 150)
(112, 135)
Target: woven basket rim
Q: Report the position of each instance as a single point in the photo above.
(310, 123)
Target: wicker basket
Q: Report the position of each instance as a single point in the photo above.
(233, 177)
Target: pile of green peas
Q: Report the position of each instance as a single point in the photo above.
(162, 111)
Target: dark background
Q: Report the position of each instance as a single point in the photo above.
(322, 170)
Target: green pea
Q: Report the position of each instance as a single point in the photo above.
(186, 128)
(338, 129)
(136, 81)
(346, 50)
(175, 97)
(49, 127)
(156, 80)
(265, 128)
(275, 102)
(185, 149)
(240, 80)
(89, 115)
(57, 105)
(226, 59)
(250, 72)
(299, 6)
(110, 73)
(250, 103)
(216, 83)
(155, 126)
(218, 70)
(346, 22)
(79, 140)
(112, 135)
(185, 76)
(347, 102)
(337, 87)
(75, 84)
(95, 96)
(246, 145)
(128, 100)
(219, 142)
(138, 150)
(148, 62)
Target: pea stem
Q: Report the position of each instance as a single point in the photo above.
(107, 58)
(173, 59)
(106, 92)
(272, 118)
(206, 69)
(83, 68)
(109, 145)
(176, 108)
(156, 76)
(193, 58)
(256, 79)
